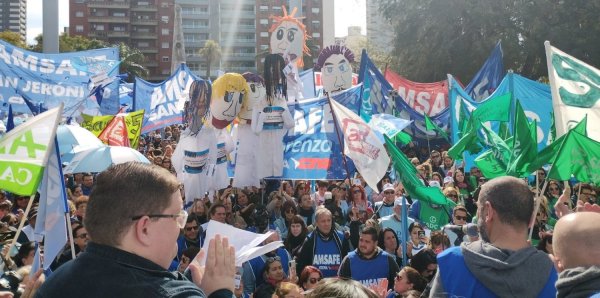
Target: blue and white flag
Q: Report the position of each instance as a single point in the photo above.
(163, 102)
(308, 82)
(51, 79)
(312, 148)
(51, 222)
(388, 125)
(488, 78)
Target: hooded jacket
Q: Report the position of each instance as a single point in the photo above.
(579, 282)
(479, 269)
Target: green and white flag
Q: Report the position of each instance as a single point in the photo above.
(575, 88)
(578, 156)
(24, 152)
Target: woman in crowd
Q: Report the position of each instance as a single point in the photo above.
(545, 243)
(25, 255)
(460, 182)
(407, 279)
(296, 235)
(452, 194)
(199, 211)
(553, 192)
(435, 176)
(339, 196)
(309, 277)
(306, 210)
(448, 164)
(388, 241)
(358, 199)
(243, 205)
(418, 240)
(438, 242)
(287, 190)
(273, 275)
(274, 206)
(341, 288)
(299, 190)
(282, 224)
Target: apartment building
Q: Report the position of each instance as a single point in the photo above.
(13, 17)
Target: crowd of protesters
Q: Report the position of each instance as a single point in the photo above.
(330, 229)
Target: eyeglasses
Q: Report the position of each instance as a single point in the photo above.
(181, 218)
(435, 156)
(291, 211)
(389, 192)
(460, 217)
(82, 236)
(192, 228)
(273, 259)
(313, 280)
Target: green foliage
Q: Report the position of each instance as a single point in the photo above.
(13, 38)
(433, 38)
(211, 53)
(131, 62)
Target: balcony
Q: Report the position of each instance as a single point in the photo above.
(105, 19)
(191, 2)
(149, 22)
(144, 8)
(150, 64)
(117, 34)
(105, 4)
(144, 35)
(97, 34)
(148, 50)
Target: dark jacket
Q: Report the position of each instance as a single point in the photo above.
(307, 252)
(105, 271)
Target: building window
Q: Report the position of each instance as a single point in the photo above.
(264, 47)
(118, 14)
(165, 31)
(165, 58)
(79, 1)
(79, 14)
(164, 45)
(143, 44)
(264, 8)
(99, 27)
(264, 21)
(316, 35)
(78, 28)
(165, 19)
(264, 34)
(164, 4)
(315, 10)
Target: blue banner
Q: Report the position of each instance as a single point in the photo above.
(46, 80)
(312, 148)
(164, 101)
(487, 79)
(379, 97)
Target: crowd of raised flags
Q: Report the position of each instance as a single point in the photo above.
(493, 133)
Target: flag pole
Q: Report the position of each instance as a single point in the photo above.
(337, 132)
(537, 202)
(21, 224)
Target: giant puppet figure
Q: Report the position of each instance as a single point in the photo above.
(288, 39)
(246, 140)
(190, 159)
(271, 119)
(229, 95)
(336, 70)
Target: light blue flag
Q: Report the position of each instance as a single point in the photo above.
(308, 84)
(388, 125)
(37, 261)
(51, 225)
(488, 78)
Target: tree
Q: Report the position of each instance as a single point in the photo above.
(68, 43)
(131, 62)
(433, 38)
(13, 38)
(211, 53)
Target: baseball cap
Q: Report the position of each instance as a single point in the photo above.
(388, 186)
(448, 179)
(434, 183)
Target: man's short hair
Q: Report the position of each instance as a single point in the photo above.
(122, 192)
(322, 183)
(511, 198)
(213, 208)
(322, 211)
(370, 231)
(6, 205)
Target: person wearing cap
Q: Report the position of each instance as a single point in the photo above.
(394, 220)
(386, 206)
(27, 231)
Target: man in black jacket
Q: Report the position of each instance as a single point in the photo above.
(133, 218)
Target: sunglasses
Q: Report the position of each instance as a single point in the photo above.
(192, 228)
(82, 236)
(553, 188)
(273, 259)
(389, 192)
(460, 217)
(313, 280)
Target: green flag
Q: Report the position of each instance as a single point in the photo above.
(578, 155)
(468, 142)
(24, 152)
(403, 138)
(489, 165)
(503, 131)
(500, 151)
(524, 149)
(552, 127)
(430, 126)
(545, 156)
(494, 109)
(408, 175)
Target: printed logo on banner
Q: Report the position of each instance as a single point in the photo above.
(357, 133)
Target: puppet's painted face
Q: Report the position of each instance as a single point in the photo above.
(224, 109)
(336, 73)
(287, 38)
(257, 93)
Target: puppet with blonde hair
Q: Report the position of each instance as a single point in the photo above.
(271, 119)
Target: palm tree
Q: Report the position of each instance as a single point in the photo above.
(211, 53)
(131, 62)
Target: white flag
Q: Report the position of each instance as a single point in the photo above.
(575, 88)
(362, 145)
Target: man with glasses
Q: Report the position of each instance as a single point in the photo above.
(190, 236)
(502, 263)
(386, 206)
(133, 219)
(369, 264)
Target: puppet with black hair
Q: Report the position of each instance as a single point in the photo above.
(190, 158)
(245, 139)
(271, 119)
(336, 70)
